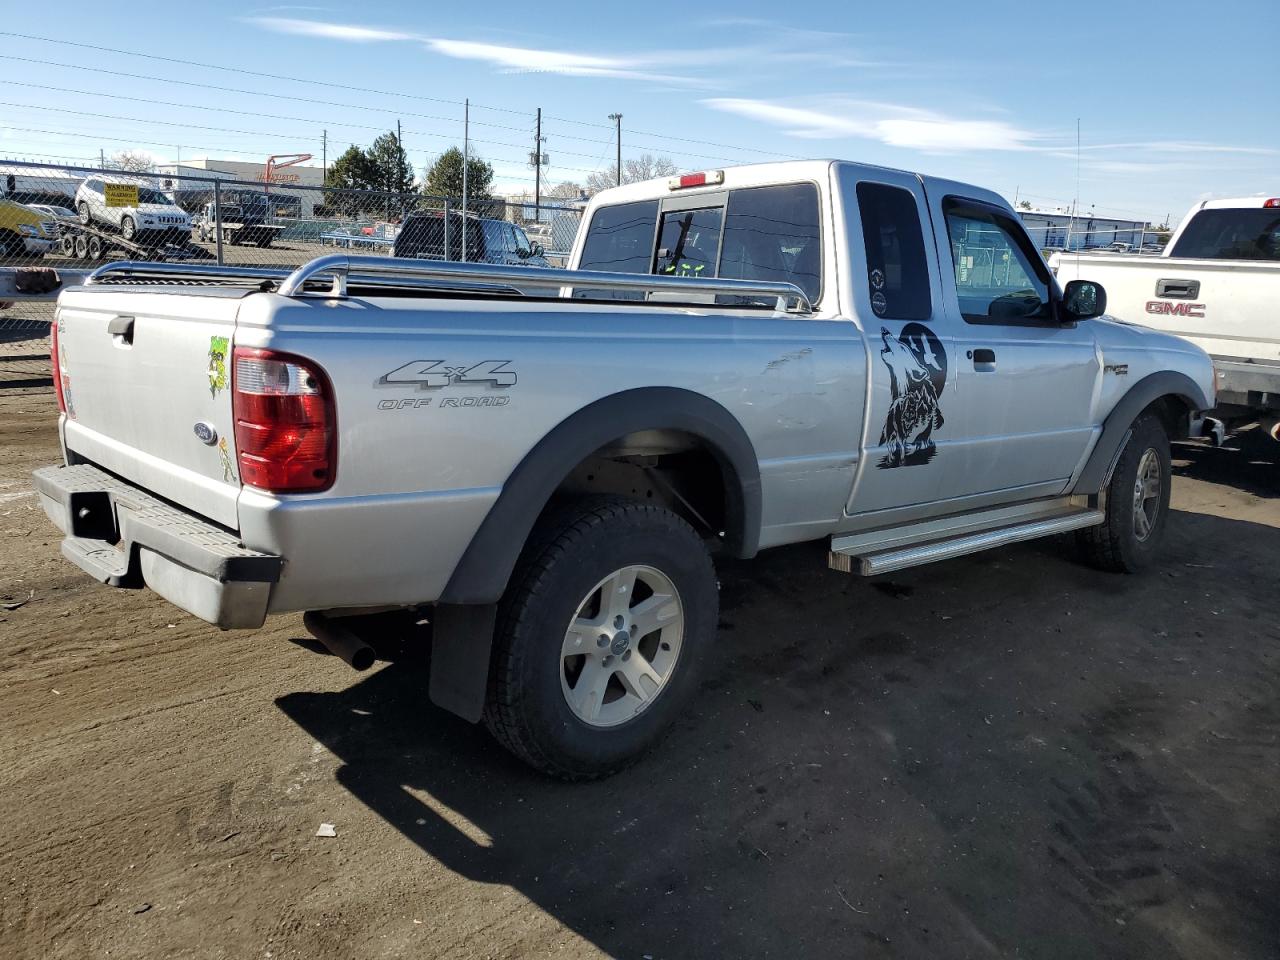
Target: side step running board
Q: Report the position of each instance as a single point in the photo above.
(886, 561)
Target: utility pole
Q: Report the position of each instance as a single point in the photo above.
(617, 119)
(324, 154)
(466, 162)
(102, 159)
(537, 167)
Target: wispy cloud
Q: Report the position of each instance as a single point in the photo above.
(506, 58)
(766, 46)
(892, 124)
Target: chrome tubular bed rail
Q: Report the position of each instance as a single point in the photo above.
(337, 271)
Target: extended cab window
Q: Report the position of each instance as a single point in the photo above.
(999, 278)
(897, 269)
(620, 238)
(1232, 235)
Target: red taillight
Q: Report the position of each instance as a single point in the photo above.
(59, 368)
(286, 435)
(1273, 202)
(706, 178)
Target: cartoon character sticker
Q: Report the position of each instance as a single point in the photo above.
(224, 454)
(917, 366)
(217, 364)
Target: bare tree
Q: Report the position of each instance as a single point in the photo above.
(644, 167)
(564, 191)
(134, 161)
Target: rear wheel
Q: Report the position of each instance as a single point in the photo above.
(1137, 503)
(82, 247)
(95, 248)
(599, 636)
(128, 229)
(85, 216)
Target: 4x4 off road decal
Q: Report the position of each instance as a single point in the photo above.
(917, 366)
(430, 374)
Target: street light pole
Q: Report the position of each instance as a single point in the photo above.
(617, 119)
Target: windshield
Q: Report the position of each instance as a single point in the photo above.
(153, 196)
(1232, 235)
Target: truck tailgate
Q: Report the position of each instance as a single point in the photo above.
(1222, 306)
(146, 378)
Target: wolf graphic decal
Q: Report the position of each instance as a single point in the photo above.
(917, 366)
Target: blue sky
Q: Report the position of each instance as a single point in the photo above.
(1173, 106)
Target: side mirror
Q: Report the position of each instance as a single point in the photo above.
(535, 249)
(1083, 300)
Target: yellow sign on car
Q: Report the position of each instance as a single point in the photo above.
(121, 194)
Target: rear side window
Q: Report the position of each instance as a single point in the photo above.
(772, 234)
(620, 238)
(1232, 235)
(897, 269)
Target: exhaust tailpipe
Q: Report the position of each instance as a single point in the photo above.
(340, 641)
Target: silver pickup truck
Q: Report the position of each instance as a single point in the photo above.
(738, 359)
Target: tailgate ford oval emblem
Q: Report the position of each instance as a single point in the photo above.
(206, 433)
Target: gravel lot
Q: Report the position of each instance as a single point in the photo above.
(1006, 755)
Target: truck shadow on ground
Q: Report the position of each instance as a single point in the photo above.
(1248, 462)
(1009, 753)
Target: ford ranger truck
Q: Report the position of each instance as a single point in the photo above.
(1216, 284)
(738, 359)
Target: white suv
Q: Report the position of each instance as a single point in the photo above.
(155, 216)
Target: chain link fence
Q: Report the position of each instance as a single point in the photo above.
(81, 217)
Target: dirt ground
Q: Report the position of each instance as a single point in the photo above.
(1006, 755)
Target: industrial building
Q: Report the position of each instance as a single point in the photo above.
(190, 184)
(1060, 230)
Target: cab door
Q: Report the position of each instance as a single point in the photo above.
(1027, 382)
(911, 444)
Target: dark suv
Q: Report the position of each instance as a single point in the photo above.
(422, 237)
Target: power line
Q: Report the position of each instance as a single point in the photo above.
(388, 93)
(164, 123)
(249, 73)
(253, 93)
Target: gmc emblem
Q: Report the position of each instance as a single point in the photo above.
(1176, 309)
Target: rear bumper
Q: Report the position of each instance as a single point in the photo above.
(1247, 383)
(125, 537)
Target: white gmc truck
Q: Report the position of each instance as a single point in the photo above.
(1217, 284)
(739, 359)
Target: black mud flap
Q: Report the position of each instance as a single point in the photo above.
(461, 642)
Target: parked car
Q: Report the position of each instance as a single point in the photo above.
(58, 215)
(742, 359)
(155, 218)
(422, 236)
(25, 232)
(1216, 283)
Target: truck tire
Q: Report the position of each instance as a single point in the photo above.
(631, 586)
(1137, 503)
(95, 249)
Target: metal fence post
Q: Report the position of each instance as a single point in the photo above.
(217, 216)
(446, 230)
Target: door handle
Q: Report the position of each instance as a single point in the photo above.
(984, 359)
(1178, 289)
